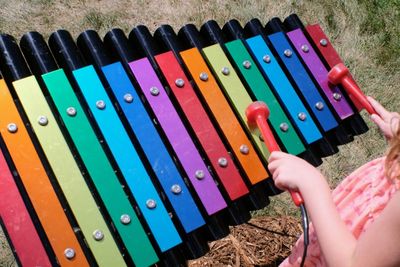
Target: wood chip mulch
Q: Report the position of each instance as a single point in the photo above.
(266, 242)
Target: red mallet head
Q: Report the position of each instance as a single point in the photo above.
(339, 74)
(257, 113)
(255, 110)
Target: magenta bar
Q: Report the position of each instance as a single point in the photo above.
(198, 173)
(320, 73)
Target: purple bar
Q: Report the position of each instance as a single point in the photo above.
(177, 136)
(320, 73)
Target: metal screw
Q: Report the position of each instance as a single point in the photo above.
(12, 127)
(225, 71)
(284, 127)
(223, 162)
(323, 42)
(69, 253)
(305, 48)
(42, 120)
(302, 116)
(125, 219)
(71, 111)
(267, 59)
(203, 76)
(98, 235)
(151, 203)
(288, 53)
(179, 82)
(246, 64)
(337, 96)
(154, 91)
(261, 138)
(128, 98)
(199, 174)
(319, 105)
(244, 149)
(176, 189)
(100, 104)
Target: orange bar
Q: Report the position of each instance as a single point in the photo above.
(37, 183)
(225, 116)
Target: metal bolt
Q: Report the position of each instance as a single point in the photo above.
(225, 71)
(179, 82)
(337, 96)
(203, 76)
(319, 105)
(223, 162)
(100, 104)
(199, 174)
(151, 203)
(12, 127)
(244, 149)
(125, 219)
(267, 59)
(284, 127)
(323, 42)
(71, 111)
(288, 53)
(98, 235)
(176, 189)
(302, 116)
(154, 91)
(42, 120)
(305, 48)
(128, 98)
(246, 64)
(69, 253)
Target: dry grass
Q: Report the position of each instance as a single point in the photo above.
(366, 34)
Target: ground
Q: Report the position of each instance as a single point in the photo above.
(366, 34)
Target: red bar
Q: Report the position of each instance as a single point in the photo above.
(18, 223)
(328, 52)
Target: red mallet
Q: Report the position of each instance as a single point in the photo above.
(339, 74)
(257, 114)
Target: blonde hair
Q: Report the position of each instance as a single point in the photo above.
(392, 163)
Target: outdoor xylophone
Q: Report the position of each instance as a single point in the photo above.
(136, 150)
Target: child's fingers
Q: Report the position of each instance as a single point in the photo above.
(380, 110)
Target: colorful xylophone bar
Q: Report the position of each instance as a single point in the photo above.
(136, 150)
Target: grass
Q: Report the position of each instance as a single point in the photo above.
(366, 33)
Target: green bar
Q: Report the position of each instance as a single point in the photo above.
(68, 175)
(262, 92)
(234, 89)
(99, 168)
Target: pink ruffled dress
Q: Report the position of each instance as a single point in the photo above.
(359, 198)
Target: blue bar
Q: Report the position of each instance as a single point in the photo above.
(303, 81)
(124, 153)
(284, 89)
(154, 148)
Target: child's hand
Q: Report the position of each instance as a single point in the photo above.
(290, 172)
(388, 122)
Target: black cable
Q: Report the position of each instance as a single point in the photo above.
(305, 223)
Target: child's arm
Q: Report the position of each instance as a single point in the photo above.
(388, 122)
(336, 241)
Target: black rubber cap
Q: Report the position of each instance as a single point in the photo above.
(93, 49)
(37, 53)
(233, 30)
(275, 25)
(212, 32)
(293, 22)
(190, 36)
(118, 46)
(65, 51)
(142, 41)
(12, 62)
